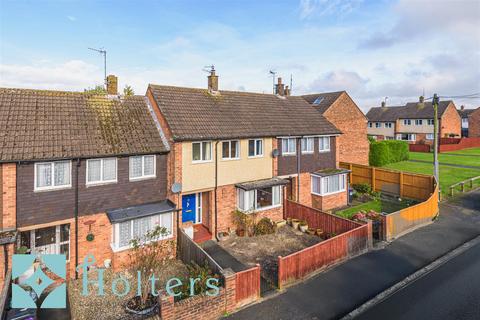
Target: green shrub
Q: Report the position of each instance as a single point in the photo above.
(264, 226)
(362, 187)
(387, 151)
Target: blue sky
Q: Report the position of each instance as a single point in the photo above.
(372, 49)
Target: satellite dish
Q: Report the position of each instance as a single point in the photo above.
(275, 153)
(176, 187)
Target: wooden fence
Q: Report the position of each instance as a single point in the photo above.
(5, 293)
(352, 238)
(247, 285)
(188, 251)
(412, 147)
(405, 184)
(458, 144)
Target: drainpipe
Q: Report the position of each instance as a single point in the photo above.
(215, 190)
(76, 217)
(299, 153)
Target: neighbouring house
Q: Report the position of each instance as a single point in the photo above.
(81, 172)
(340, 109)
(413, 122)
(465, 115)
(244, 151)
(474, 124)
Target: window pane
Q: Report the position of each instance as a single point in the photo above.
(124, 233)
(45, 236)
(62, 173)
(44, 175)
(167, 222)
(64, 232)
(109, 169)
(327, 143)
(149, 168)
(277, 195)
(94, 170)
(234, 149)
(196, 151)
(225, 150)
(251, 148)
(325, 185)
(316, 184)
(259, 147)
(250, 200)
(135, 167)
(292, 147)
(64, 250)
(206, 151)
(241, 199)
(264, 197)
(25, 239)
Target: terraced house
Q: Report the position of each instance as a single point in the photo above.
(413, 122)
(245, 151)
(80, 174)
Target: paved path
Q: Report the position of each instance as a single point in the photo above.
(222, 257)
(450, 292)
(332, 294)
(448, 164)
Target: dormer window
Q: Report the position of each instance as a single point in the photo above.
(318, 101)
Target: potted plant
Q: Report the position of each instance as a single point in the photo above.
(148, 254)
(295, 223)
(303, 225)
(311, 231)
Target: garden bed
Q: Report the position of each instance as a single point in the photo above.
(111, 306)
(265, 249)
(377, 205)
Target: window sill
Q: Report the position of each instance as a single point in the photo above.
(94, 184)
(328, 194)
(53, 189)
(323, 151)
(288, 154)
(308, 152)
(201, 161)
(116, 249)
(230, 159)
(255, 157)
(261, 209)
(142, 178)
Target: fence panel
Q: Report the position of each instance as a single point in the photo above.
(412, 147)
(247, 285)
(462, 144)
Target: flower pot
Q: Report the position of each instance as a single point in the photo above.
(319, 232)
(303, 228)
(240, 233)
(281, 223)
(289, 221)
(295, 223)
(311, 231)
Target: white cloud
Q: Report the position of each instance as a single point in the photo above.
(310, 8)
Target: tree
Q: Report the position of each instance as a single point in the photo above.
(128, 91)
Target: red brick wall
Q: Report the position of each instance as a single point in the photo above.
(353, 143)
(450, 122)
(329, 202)
(305, 195)
(8, 182)
(474, 124)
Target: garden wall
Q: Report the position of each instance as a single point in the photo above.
(419, 147)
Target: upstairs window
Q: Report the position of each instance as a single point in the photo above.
(142, 167)
(289, 146)
(378, 124)
(324, 144)
(430, 122)
(407, 122)
(307, 145)
(418, 122)
(202, 151)
(370, 124)
(230, 150)
(388, 125)
(52, 175)
(101, 170)
(255, 148)
(328, 185)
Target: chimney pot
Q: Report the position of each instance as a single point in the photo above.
(212, 81)
(112, 85)
(383, 104)
(421, 99)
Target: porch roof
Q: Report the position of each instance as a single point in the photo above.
(139, 211)
(329, 172)
(252, 185)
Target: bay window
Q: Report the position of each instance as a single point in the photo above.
(52, 175)
(258, 199)
(101, 171)
(142, 167)
(289, 146)
(328, 184)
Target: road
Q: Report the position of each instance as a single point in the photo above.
(452, 291)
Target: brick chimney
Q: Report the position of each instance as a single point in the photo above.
(462, 107)
(287, 91)
(279, 87)
(112, 85)
(383, 104)
(212, 81)
(421, 99)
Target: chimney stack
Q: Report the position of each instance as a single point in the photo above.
(287, 91)
(112, 85)
(383, 104)
(421, 99)
(212, 81)
(279, 88)
(462, 107)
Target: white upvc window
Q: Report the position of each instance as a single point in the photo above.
(324, 144)
(142, 167)
(307, 144)
(259, 199)
(430, 122)
(378, 124)
(328, 185)
(407, 136)
(388, 125)
(100, 171)
(231, 150)
(202, 151)
(429, 136)
(289, 146)
(255, 148)
(370, 124)
(418, 122)
(407, 122)
(125, 232)
(47, 240)
(53, 175)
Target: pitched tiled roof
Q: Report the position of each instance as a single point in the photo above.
(195, 114)
(51, 125)
(412, 110)
(326, 99)
(465, 112)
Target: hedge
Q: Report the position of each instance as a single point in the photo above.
(387, 151)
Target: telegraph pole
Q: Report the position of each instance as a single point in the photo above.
(435, 137)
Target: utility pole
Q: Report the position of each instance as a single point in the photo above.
(435, 138)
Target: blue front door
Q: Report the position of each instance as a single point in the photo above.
(188, 208)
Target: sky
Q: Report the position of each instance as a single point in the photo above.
(372, 49)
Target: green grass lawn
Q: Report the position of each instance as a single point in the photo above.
(472, 160)
(469, 151)
(375, 205)
(448, 175)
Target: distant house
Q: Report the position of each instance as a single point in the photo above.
(340, 109)
(474, 123)
(464, 114)
(413, 122)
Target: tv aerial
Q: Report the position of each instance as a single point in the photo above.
(103, 52)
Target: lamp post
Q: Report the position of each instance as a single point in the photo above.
(435, 137)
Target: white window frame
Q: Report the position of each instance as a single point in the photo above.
(388, 125)
(288, 142)
(410, 136)
(201, 152)
(419, 122)
(430, 122)
(115, 243)
(100, 182)
(237, 157)
(143, 176)
(255, 153)
(320, 139)
(407, 122)
(52, 166)
(58, 242)
(370, 124)
(322, 192)
(245, 196)
(429, 136)
(378, 124)
(308, 148)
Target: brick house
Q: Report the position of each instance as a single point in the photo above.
(413, 122)
(241, 151)
(81, 174)
(340, 109)
(467, 119)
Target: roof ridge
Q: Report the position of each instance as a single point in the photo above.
(205, 89)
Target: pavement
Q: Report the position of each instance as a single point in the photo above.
(451, 291)
(333, 294)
